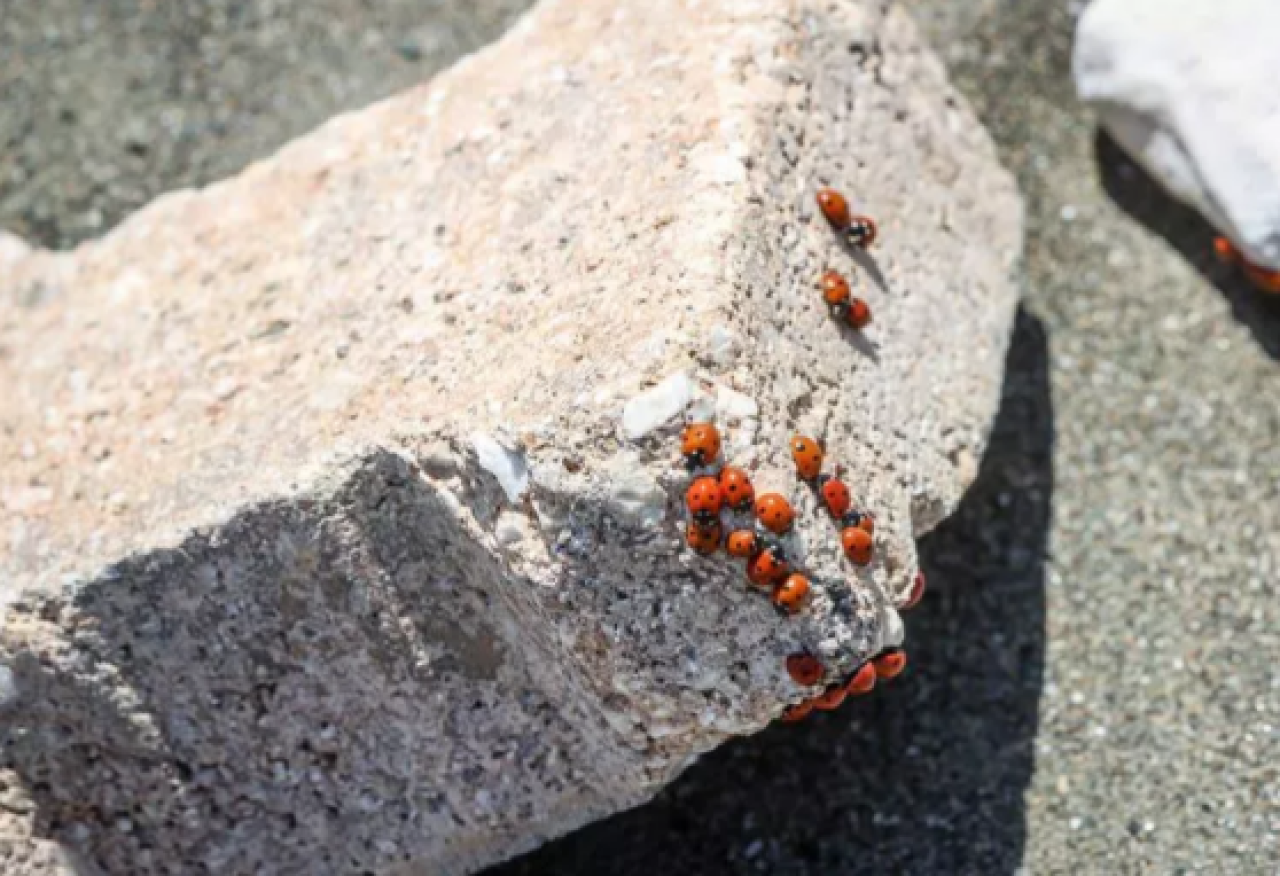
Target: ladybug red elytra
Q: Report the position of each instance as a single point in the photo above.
(917, 591)
(700, 444)
(1263, 279)
(804, 669)
(766, 568)
(857, 544)
(735, 485)
(834, 207)
(829, 699)
(890, 663)
(798, 712)
(835, 288)
(836, 496)
(807, 455)
(859, 314)
(775, 513)
(1226, 251)
(862, 681)
(861, 231)
(704, 501)
(792, 592)
(741, 543)
(703, 539)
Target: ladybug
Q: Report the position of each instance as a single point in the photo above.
(741, 543)
(835, 495)
(703, 539)
(700, 444)
(804, 669)
(808, 457)
(1226, 251)
(704, 501)
(829, 699)
(834, 207)
(775, 513)
(798, 712)
(835, 290)
(792, 592)
(890, 663)
(858, 315)
(857, 544)
(861, 231)
(767, 568)
(1263, 280)
(736, 488)
(917, 592)
(862, 681)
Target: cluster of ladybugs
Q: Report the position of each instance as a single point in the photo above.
(709, 495)
(861, 231)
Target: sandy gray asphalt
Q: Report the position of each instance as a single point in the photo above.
(1094, 686)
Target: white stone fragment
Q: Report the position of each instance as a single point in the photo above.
(1189, 90)
(657, 406)
(734, 405)
(508, 466)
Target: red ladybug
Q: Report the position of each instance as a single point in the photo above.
(798, 712)
(808, 457)
(700, 444)
(1263, 279)
(917, 592)
(834, 207)
(804, 669)
(704, 500)
(857, 544)
(775, 513)
(829, 699)
(736, 488)
(703, 539)
(741, 543)
(835, 288)
(766, 568)
(859, 314)
(1226, 251)
(862, 681)
(890, 663)
(792, 592)
(861, 231)
(835, 495)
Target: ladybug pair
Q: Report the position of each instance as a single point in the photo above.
(706, 497)
(806, 670)
(857, 527)
(767, 566)
(861, 231)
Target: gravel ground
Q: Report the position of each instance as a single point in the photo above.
(1093, 685)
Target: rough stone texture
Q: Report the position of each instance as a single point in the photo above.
(1189, 90)
(266, 609)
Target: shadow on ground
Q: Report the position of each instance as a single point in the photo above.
(927, 775)
(1142, 198)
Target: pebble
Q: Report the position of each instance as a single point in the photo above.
(657, 406)
(506, 465)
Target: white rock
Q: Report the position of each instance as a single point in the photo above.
(734, 405)
(1190, 91)
(657, 406)
(508, 466)
(509, 529)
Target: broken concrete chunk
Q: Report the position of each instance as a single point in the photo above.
(269, 606)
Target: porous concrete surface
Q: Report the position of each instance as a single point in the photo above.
(327, 547)
(1093, 685)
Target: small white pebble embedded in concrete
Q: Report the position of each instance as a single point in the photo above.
(657, 406)
(734, 405)
(506, 465)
